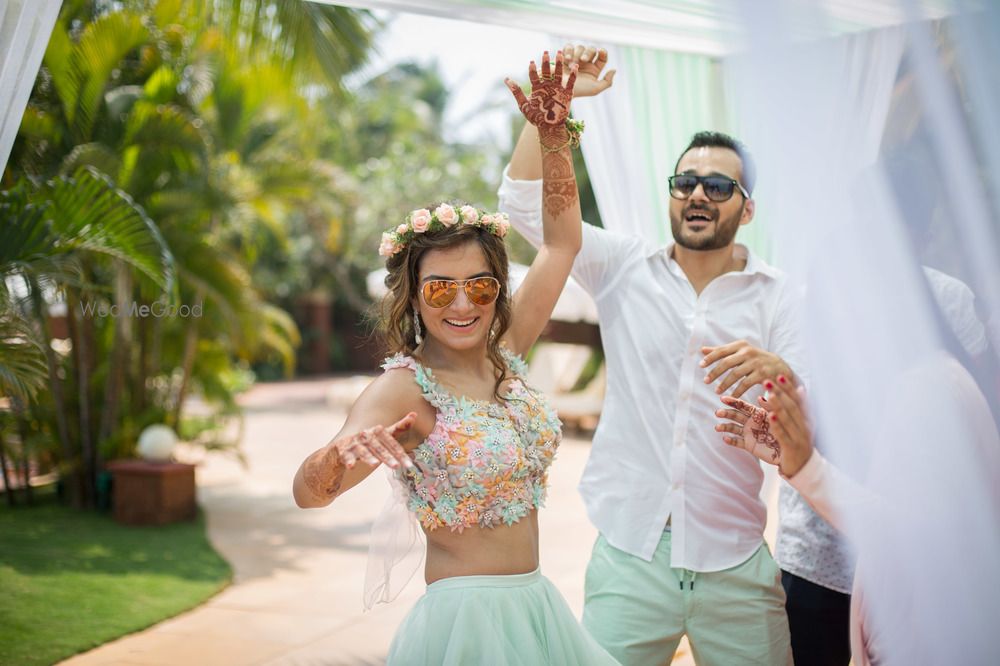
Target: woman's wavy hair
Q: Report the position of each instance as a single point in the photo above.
(395, 316)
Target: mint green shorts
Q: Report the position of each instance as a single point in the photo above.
(511, 620)
(638, 611)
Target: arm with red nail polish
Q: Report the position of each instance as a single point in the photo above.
(387, 421)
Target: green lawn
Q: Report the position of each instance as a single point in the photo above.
(71, 580)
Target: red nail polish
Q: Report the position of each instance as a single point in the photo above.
(768, 385)
(774, 416)
(782, 380)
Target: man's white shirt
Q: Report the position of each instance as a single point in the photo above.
(656, 453)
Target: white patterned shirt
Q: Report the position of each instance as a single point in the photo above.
(809, 547)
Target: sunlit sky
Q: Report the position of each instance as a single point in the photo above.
(474, 58)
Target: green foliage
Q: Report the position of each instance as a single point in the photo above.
(164, 144)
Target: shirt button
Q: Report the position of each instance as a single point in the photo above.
(685, 395)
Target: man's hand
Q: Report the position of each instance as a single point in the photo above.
(591, 62)
(745, 364)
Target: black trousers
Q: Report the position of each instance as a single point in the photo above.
(819, 622)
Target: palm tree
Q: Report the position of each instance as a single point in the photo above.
(54, 229)
(196, 109)
(312, 42)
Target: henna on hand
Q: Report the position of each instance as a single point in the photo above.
(548, 104)
(324, 475)
(761, 430)
(760, 426)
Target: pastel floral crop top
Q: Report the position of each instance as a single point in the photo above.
(484, 463)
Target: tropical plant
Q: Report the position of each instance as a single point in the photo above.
(192, 108)
(53, 232)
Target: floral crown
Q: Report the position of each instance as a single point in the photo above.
(444, 216)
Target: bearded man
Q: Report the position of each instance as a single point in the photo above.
(681, 522)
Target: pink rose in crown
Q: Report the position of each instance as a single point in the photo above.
(469, 214)
(446, 215)
(503, 226)
(388, 246)
(487, 220)
(420, 219)
(402, 229)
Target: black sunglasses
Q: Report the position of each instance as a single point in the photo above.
(716, 188)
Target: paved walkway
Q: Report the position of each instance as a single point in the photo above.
(296, 593)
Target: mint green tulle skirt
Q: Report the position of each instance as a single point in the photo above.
(516, 620)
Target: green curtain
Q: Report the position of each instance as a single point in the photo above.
(680, 94)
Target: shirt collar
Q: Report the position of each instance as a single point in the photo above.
(754, 263)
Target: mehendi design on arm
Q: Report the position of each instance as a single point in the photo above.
(559, 188)
(558, 196)
(547, 108)
(324, 476)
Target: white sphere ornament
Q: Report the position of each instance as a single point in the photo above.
(156, 443)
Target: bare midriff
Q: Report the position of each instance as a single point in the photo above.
(483, 551)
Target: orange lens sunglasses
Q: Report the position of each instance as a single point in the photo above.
(442, 293)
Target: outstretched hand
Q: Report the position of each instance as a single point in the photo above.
(548, 105)
(375, 445)
(323, 474)
(777, 432)
(591, 62)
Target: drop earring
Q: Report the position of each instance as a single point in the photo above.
(417, 333)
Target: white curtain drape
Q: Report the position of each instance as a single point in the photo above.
(25, 26)
(878, 148)
(636, 130)
(862, 69)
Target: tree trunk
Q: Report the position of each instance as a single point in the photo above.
(119, 359)
(3, 470)
(21, 411)
(141, 371)
(190, 348)
(56, 386)
(22, 429)
(79, 331)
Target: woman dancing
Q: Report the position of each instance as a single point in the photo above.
(454, 419)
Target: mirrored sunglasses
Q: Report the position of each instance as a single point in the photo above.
(442, 293)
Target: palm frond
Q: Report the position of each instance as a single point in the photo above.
(80, 71)
(90, 213)
(23, 371)
(94, 154)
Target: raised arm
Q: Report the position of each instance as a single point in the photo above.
(384, 423)
(520, 196)
(526, 161)
(547, 109)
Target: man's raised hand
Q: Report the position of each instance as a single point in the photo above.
(591, 62)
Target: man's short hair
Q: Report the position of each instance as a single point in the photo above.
(720, 140)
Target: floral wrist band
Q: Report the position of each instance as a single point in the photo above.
(574, 128)
(444, 216)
